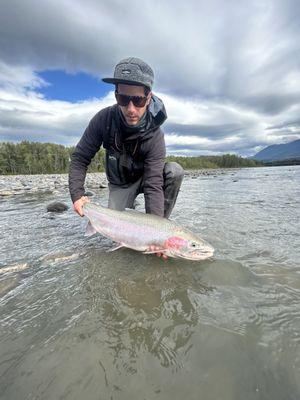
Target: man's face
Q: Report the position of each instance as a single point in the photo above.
(131, 113)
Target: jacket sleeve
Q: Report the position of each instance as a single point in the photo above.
(85, 150)
(153, 175)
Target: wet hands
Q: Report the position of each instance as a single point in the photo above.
(78, 204)
(155, 248)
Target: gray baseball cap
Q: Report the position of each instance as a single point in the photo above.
(132, 71)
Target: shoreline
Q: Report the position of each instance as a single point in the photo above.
(12, 185)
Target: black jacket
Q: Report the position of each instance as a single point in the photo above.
(127, 157)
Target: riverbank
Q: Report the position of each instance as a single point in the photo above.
(12, 185)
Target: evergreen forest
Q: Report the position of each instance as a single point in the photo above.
(49, 158)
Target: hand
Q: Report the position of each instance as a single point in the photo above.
(162, 255)
(78, 204)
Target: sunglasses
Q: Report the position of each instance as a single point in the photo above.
(123, 100)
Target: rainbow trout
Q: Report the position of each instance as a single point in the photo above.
(140, 231)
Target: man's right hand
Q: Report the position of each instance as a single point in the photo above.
(78, 204)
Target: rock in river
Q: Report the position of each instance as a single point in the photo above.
(57, 207)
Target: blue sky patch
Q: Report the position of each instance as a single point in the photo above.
(72, 87)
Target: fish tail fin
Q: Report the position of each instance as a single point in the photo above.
(90, 230)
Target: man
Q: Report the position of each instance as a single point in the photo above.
(134, 143)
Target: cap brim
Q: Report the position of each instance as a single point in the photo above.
(126, 82)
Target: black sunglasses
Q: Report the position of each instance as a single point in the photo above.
(123, 100)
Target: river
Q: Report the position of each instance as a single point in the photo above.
(78, 322)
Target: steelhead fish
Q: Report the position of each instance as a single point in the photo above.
(138, 231)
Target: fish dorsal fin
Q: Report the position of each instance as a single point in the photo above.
(90, 230)
(133, 211)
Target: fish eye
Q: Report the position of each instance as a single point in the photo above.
(193, 244)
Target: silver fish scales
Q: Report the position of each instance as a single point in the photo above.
(140, 231)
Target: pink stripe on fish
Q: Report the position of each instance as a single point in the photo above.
(175, 242)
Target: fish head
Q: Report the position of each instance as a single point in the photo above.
(188, 246)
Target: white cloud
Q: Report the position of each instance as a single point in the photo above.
(194, 127)
(27, 115)
(229, 76)
(15, 78)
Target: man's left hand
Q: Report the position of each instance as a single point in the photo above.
(162, 255)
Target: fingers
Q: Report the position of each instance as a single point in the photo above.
(161, 255)
(78, 204)
(78, 208)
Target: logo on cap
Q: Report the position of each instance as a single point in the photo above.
(126, 71)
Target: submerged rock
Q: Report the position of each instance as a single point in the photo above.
(5, 193)
(14, 268)
(89, 194)
(8, 284)
(57, 207)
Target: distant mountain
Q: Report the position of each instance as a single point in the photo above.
(278, 152)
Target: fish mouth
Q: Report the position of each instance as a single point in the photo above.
(197, 254)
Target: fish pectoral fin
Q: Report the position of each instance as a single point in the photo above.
(90, 230)
(154, 251)
(118, 246)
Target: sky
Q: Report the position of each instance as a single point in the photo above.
(228, 71)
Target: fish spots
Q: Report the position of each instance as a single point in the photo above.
(175, 242)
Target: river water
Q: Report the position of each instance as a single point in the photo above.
(80, 323)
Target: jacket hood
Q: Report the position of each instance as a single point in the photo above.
(157, 111)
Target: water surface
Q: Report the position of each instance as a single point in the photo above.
(80, 323)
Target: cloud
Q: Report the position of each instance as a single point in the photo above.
(26, 115)
(213, 131)
(227, 74)
(17, 77)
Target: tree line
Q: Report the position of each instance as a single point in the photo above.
(40, 158)
(223, 161)
(277, 163)
(49, 158)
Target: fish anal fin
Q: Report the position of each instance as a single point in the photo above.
(116, 247)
